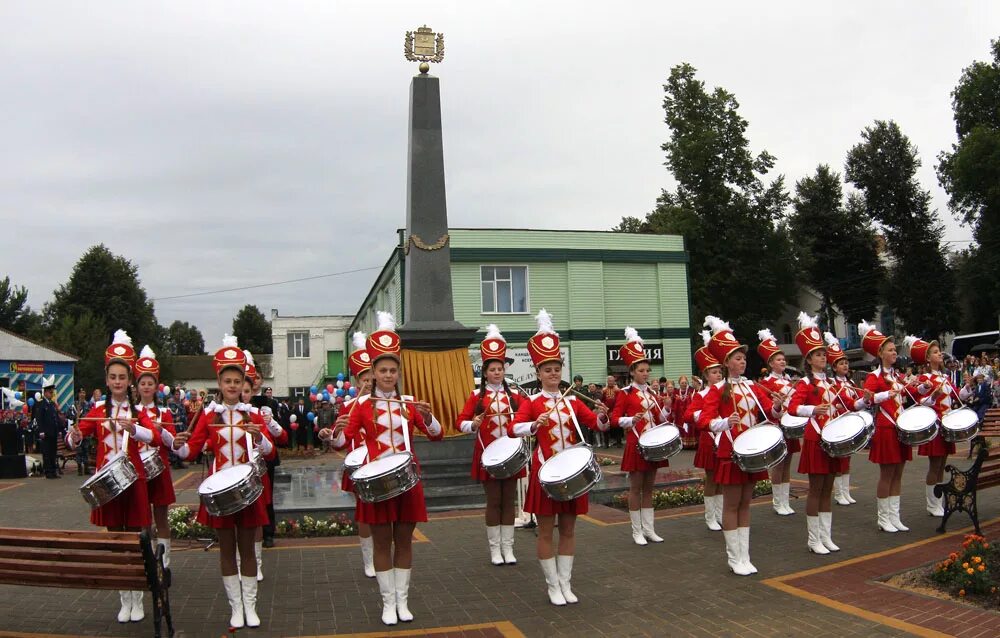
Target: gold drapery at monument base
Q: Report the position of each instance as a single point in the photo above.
(442, 378)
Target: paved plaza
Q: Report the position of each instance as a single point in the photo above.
(679, 588)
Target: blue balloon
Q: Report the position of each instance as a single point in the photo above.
(340, 376)
(31, 402)
(353, 392)
(159, 395)
(326, 395)
(104, 397)
(341, 392)
(17, 395)
(310, 416)
(313, 389)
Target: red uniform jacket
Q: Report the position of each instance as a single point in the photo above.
(560, 432)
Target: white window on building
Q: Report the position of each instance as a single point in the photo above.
(298, 344)
(504, 289)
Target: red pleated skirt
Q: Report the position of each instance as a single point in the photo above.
(937, 447)
(161, 489)
(632, 460)
(704, 457)
(815, 461)
(538, 502)
(793, 445)
(728, 473)
(253, 515)
(129, 509)
(886, 448)
(479, 473)
(408, 507)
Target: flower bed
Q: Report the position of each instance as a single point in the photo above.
(684, 495)
(972, 571)
(183, 525)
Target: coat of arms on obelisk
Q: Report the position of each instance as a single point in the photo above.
(423, 45)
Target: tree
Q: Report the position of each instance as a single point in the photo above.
(920, 285)
(184, 339)
(837, 247)
(15, 314)
(975, 315)
(970, 174)
(253, 330)
(84, 336)
(728, 216)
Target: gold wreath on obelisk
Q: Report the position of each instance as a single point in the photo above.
(423, 45)
(419, 243)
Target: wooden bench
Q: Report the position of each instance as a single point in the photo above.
(959, 493)
(87, 560)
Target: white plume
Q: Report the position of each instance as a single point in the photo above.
(864, 328)
(706, 336)
(147, 353)
(715, 324)
(830, 339)
(358, 339)
(631, 334)
(544, 320)
(229, 341)
(909, 340)
(246, 353)
(805, 321)
(493, 332)
(765, 334)
(385, 320)
(122, 337)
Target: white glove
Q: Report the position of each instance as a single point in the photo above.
(626, 422)
(719, 425)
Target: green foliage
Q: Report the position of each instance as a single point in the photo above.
(972, 571)
(334, 525)
(253, 330)
(184, 339)
(684, 495)
(15, 314)
(84, 336)
(183, 524)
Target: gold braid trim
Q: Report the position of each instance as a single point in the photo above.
(419, 243)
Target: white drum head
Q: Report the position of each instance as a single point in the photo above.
(356, 457)
(867, 417)
(659, 435)
(960, 419)
(565, 464)
(500, 450)
(224, 478)
(757, 439)
(916, 418)
(842, 428)
(147, 454)
(793, 421)
(381, 466)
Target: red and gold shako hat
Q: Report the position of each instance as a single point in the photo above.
(359, 361)
(146, 364)
(493, 347)
(544, 345)
(808, 338)
(871, 339)
(632, 352)
(723, 342)
(120, 350)
(768, 346)
(702, 356)
(834, 352)
(918, 348)
(250, 367)
(384, 342)
(229, 356)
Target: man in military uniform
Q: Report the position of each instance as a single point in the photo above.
(48, 426)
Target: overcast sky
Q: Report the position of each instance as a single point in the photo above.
(227, 144)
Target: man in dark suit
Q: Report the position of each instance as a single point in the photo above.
(48, 425)
(984, 397)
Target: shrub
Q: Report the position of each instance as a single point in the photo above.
(684, 495)
(183, 525)
(972, 570)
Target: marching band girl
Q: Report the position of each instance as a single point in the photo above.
(780, 387)
(553, 418)
(223, 428)
(487, 412)
(813, 397)
(886, 449)
(731, 407)
(711, 371)
(386, 421)
(359, 364)
(936, 390)
(120, 429)
(161, 488)
(637, 409)
(849, 399)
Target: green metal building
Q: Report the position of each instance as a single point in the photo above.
(593, 282)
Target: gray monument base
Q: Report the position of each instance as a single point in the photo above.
(435, 335)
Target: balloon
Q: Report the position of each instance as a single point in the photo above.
(340, 376)
(312, 397)
(315, 428)
(353, 392)
(38, 396)
(17, 395)
(159, 394)
(340, 383)
(166, 389)
(340, 392)
(326, 395)
(310, 416)
(329, 387)
(294, 426)
(31, 402)
(313, 389)
(340, 399)
(293, 418)
(347, 385)
(104, 397)
(160, 387)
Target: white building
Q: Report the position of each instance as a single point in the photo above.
(308, 351)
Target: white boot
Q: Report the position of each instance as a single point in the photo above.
(387, 587)
(717, 504)
(234, 592)
(647, 525)
(552, 580)
(368, 556)
(166, 551)
(776, 499)
(138, 613)
(402, 577)
(126, 611)
(826, 531)
(564, 566)
(249, 584)
(637, 527)
(815, 544)
(934, 505)
(786, 507)
(839, 493)
(884, 522)
(493, 536)
(507, 544)
(846, 484)
(733, 553)
(710, 517)
(745, 549)
(258, 551)
(894, 515)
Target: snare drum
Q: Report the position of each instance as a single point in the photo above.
(660, 443)
(109, 482)
(867, 417)
(230, 490)
(385, 478)
(959, 425)
(506, 456)
(152, 464)
(845, 435)
(759, 448)
(355, 459)
(793, 426)
(257, 462)
(917, 425)
(570, 473)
